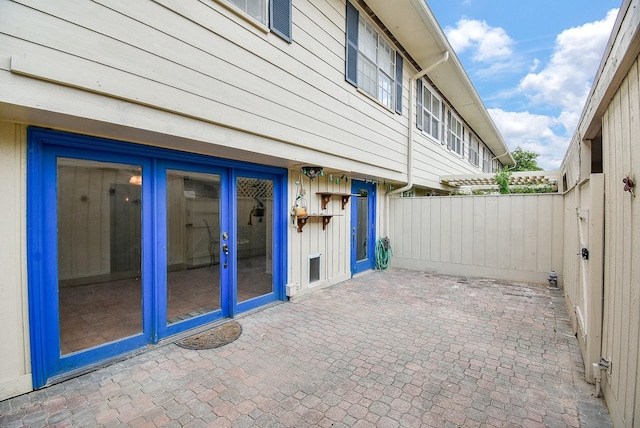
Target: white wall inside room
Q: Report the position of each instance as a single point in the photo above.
(15, 370)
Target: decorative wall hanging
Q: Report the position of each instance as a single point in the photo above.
(629, 185)
(299, 208)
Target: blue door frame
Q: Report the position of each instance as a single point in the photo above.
(43, 150)
(363, 226)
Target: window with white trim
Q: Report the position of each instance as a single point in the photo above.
(255, 8)
(486, 160)
(429, 110)
(376, 64)
(372, 64)
(474, 156)
(276, 14)
(455, 139)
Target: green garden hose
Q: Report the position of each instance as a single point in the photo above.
(383, 253)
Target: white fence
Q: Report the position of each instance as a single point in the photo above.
(510, 237)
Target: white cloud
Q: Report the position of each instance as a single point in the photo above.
(534, 65)
(533, 132)
(563, 85)
(489, 43)
(555, 89)
(566, 80)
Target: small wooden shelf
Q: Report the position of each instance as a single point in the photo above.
(326, 218)
(326, 197)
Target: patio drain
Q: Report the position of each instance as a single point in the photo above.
(212, 338)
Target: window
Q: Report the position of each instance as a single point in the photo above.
(473, 150)
(486, 160)
(371, 63)
(429, 110)
(455, 139)
(255, 8)
(278, 18)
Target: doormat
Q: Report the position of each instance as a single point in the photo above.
(212, 338)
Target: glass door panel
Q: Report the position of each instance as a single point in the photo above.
(362, 227)
(193, 230)
(255, 237)
(362, 224)
(99, 222)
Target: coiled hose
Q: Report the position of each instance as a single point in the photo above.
(383, 253)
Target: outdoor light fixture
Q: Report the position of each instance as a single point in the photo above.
(312, 171)
(136, 180)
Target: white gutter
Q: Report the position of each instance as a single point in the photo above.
(412, 83)
(498, 157)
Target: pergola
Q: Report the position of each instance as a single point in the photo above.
(531, 178)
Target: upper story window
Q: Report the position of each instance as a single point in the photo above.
(486, 160)
(276, 14)
(429, 110)
(376, 64)
(371, 63)
(455, 139)
(474, 150)
(255, 8)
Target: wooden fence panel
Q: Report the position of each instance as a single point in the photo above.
(514, 237)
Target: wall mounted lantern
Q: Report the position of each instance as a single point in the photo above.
(312, 171)
(136, 180)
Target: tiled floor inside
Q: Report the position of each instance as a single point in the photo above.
(94, 314)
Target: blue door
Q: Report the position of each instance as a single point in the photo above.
(363, 226)
(129, 244)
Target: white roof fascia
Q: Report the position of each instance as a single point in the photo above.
(415, 27)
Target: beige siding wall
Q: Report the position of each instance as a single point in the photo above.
(432, 160)
(514, 237)
(15, 369)
(195, 76)
(197, 60)
(332, 243)
(620, 130)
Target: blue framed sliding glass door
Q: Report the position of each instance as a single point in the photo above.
(255, 250)
(89, 277)
(128, 245)
(192, 206)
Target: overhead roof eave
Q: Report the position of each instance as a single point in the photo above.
(415, 27)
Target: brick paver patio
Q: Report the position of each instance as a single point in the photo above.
(385, 349)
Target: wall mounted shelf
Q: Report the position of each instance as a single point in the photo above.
(326, 218)
(326, 197)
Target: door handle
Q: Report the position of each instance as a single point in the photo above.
(225, 250)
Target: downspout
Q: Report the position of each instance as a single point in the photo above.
(409, 185)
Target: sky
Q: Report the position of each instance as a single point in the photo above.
(531, 62)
